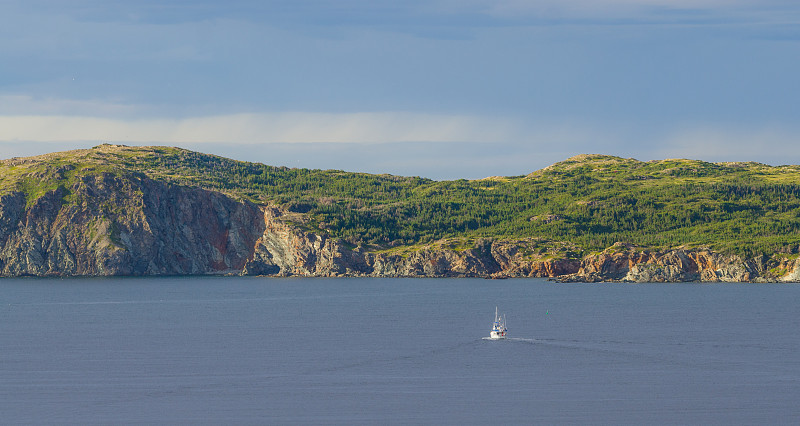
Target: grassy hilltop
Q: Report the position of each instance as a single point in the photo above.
(583, 204)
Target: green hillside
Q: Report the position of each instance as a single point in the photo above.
(590, 201)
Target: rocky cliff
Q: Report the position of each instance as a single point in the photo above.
(108, 224)
(129, 224)
(105, 224)
(285, 250)
(625, 263)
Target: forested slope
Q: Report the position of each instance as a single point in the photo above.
(591, 201)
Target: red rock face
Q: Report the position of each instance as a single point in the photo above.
(112, 225)
(285, 250)
(108, 224)
(670, 266)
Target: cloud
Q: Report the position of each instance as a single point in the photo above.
(585, 7)
(251, 128)
(408, 15)
(11, 105)
(435, 146)
(550, 10)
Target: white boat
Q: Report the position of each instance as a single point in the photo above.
(499, 330)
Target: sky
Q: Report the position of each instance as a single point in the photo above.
(444, 89)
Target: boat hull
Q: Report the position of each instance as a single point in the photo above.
(496, 336)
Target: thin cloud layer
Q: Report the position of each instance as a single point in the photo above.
(406, 16)
(522, 150)
(260, 128)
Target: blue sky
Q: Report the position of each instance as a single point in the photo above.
(443, 89)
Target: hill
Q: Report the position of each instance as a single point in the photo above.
(567, 212)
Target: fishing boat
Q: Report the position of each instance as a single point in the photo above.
(499, 330)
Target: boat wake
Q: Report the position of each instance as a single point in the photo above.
(513, 339)
(521, 339)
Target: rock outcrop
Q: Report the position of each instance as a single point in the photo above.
(285, 250)
(625, 263)
(128, 224)
(107, 224)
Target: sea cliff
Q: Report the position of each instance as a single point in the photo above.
(123, 211)
(135, 226)
(125, 225)
(284, 250)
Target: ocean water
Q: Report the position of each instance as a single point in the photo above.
(396, 351)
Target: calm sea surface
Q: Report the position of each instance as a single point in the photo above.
(396, 351)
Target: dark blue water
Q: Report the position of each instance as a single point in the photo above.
(396, 351)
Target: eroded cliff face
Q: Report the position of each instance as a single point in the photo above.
(108, 224)
(794, 271)
(285, 250)
(126, 225)
(633, 265)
